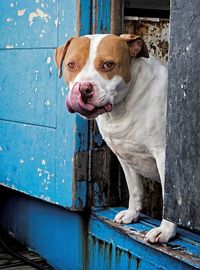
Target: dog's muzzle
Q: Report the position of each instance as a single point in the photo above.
(80, 100)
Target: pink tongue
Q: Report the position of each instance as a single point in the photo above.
(86, 106)
(108, 107)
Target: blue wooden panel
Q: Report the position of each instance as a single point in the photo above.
(27, 158)
(113, 246)
(28, 86)
(28, 24)
(72, 130)
(103, 16)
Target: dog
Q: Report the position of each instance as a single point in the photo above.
(114, 80)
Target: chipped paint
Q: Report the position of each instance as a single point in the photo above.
(56, 22)
(48, 60)
(21, 12)
(38, 13)
(9, 46)
(21, 161)
(9, 19)
(155, 34)
(43, 162)
(47, 103)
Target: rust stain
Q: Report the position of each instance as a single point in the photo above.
(155, 34)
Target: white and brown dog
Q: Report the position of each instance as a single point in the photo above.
(114, 80)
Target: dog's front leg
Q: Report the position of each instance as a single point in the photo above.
(167, 229)
(135, 187)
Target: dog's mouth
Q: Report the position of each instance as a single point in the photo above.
(75, 103)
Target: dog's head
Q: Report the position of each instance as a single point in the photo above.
(97, 69)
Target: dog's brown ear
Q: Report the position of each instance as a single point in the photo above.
(136, 44)
(59, 56)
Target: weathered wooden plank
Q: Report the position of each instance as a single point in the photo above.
(27, 158)
(72, 130)
(28, 24)
(182, 198)
(106, 237)
(28, 83)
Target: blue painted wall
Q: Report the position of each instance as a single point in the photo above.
(38, 139)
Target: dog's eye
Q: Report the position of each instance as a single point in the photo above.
(72, 65)
(106, 66)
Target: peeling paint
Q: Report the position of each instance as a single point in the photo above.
(21, 12)
(21, 161)
(47, 102)
(62, 91)
(38, 13)
(9, 19)
(56, 22)
(155, 34)
(48, 60)
(9, 46)
(43, 162)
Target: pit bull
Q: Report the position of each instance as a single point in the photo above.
(114, 80)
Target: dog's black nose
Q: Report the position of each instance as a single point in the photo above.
(86, 90)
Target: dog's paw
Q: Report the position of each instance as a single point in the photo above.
(126, 217)
(161, 234)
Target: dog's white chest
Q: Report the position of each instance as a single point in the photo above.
(136, 156)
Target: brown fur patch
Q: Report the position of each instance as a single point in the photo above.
(113, 48)
(77, 45)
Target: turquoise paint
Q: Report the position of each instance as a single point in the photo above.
(28, 24)
(27, 89)
(103, 17)
(27, 159)
(85, 17)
